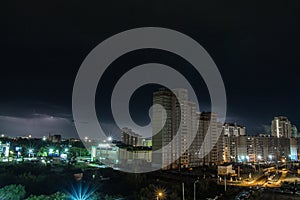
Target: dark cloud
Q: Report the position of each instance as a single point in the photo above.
(37, 125)
(36, 119)
(42, 44)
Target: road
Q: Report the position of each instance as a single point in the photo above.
(261, 181)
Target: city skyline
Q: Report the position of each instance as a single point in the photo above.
(241, 129)
(63, 123)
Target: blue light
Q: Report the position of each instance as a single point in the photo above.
(81, 192)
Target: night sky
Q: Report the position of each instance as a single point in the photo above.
(255, 45)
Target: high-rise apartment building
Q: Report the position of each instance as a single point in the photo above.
(232, 129)
(175, 115)
(281, 127)
(129, 137)
(295, 133)
(209, 128)
(176, 119)
(261, 147)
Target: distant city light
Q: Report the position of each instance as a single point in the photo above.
(51, 151)
(103, 145)
(247, 157)
(259, 157)
(64, 156)
(30, 151)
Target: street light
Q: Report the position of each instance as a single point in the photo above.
(159, 195)
(197, 181)
(51, 151)
(259, 157)
(270, 157)
(242, 158)
(30, 151)
(247, 157)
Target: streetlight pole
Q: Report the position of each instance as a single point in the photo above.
(195, 188)
(183, 198)
(225, 182)
(30, 151)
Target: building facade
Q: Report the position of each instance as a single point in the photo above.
(232, 129)
(281, 127)
(173, 123)
(129, 137)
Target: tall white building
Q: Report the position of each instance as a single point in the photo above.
(172, 111)
(232, 129)
(212, 147)
(129, 137)
(281, 127)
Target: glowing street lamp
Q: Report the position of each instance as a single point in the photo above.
(30, 151)
(197, 181)
(242, 158)
(51, 151)
(81, 192)
(248, 158)
(270, 157)
(259, 157)
(159, 195)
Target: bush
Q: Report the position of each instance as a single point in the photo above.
(55, 196)
(12, 192)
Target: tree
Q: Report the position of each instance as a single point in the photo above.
(146, 193)
(78, 151)
(12, 192)
(174, 196)
(107, 197)
(55, 196)
(42, 152)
